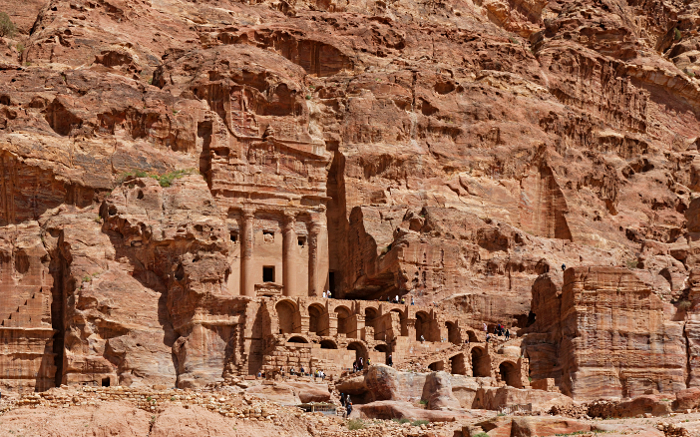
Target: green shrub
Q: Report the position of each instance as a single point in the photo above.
(354, 424)
(676, 34)
(482, 434)
(423, 402)
(7, 27)
(404, 420)
(419, 422)
(20, 47)
(165, 180)
(632, 263)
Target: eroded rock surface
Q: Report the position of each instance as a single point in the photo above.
(181, 181)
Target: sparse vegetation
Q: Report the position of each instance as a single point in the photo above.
(98, 219)
(513, 40)
(308, 97)
(20, 47)
(690, 73)
(404, 420)
(423, 402)
(354, 424)
(481, 434)
(7, 27)
(676, 34)
(684, 305)
(165, 180)
(632, 264)
(419, 422)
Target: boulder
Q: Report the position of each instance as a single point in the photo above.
(277, 392)
(310, 392)
(491, 398)
(437, 391)
(403, 410)
(687, 399)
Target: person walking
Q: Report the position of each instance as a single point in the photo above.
(328, 293)
(389, 361)
(348, 409)
(369, 362)
(413, 301)
(507, 334)
(342, 399)
(396, 299)
(488, 337)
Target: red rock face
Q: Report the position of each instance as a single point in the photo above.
(452, 153)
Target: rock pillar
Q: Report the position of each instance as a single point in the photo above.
(314, 231)
(288, 257)
(247, 243)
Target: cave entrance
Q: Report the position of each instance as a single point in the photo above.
(437, 366)
(105, 382)
(510, 375)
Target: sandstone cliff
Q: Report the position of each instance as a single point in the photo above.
(159, 160)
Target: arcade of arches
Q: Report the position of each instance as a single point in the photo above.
(331, 334)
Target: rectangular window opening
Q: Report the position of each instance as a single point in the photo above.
(269, 274)
(234, 237)
(301, 241)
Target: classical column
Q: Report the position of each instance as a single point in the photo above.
(247, 265)
(314, 231)
(288, 256)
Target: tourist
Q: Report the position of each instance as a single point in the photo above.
(301, 370)
(389, 361)
(388, 299)
(360, 365)
(292, 372)
(342, 399)
(488, 337)
(354, 367)
(422, 339)
(369, 362)
(467, 341)
(349, 409)
(396, 299)
(324, 294)
(259, 374)
(282, 371)
(413, 301)
(486, 328)
(403, 301)
(507, 334)
(328, 293)
(563, 267)
(347, 399)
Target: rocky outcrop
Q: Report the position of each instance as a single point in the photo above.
(609, 334)
(455, 153)
(437, 392)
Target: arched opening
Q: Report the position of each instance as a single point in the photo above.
(481, 363)
(286, 311)
(437, 366)
(318, 319)
(510, 374)
(343, 315)
(422, 326)
(360, 350)
(328, 344)
(458, 365)
(472, 337)
(383, 348)
(297, 339)
(453, 334)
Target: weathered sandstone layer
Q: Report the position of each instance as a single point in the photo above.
(181, 181)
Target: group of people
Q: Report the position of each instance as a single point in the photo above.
(500, 330)
(347, 403)
(358, 365)
(327, 294)
(318, 373)
(401, 300)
